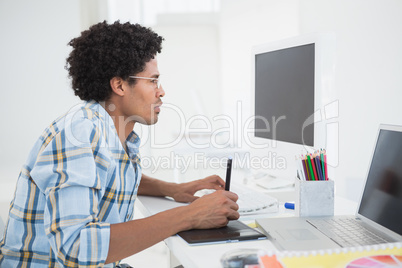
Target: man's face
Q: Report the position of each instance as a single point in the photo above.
(143, 100)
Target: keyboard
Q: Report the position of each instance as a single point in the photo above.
(347, 232)
(250, 201)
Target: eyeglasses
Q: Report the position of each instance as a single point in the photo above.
(156, 81)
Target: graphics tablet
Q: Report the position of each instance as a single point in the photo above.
(235, 231)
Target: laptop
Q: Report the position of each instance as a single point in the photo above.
(378, 217)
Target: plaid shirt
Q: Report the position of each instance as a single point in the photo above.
(78, 180)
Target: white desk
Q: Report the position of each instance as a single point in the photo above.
(210, 255)
(193, 256)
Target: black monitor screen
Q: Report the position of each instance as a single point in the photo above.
(382, 197)
(284, 95)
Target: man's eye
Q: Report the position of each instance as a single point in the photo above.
(155, 81)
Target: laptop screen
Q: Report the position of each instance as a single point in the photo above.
(382, 197)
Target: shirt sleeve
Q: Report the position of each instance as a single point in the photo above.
(71, 171)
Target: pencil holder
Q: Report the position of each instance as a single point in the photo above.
(314, 198)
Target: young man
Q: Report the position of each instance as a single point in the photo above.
(75, 196)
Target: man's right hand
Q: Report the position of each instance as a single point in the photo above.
(210, 211)
(213, 210)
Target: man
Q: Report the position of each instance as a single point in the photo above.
(74, 199)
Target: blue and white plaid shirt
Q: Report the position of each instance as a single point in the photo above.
(78, 180)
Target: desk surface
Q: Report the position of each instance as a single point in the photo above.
(210, 255)
(194, 256)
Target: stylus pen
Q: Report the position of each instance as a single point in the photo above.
(228, 174)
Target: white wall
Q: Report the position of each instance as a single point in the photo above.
(34, 85)
(368, 64)
(35, 88)
(368, 75)
(245, 24)
(190, 66)
(213, 59)
(190, 75)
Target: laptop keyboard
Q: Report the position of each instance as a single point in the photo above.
(347, 232)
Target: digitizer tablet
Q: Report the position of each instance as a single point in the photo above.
(235, 231)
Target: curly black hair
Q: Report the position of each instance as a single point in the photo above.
(106, 51)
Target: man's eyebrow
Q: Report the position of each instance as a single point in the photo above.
(155, 76)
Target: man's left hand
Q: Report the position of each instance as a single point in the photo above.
(185, 191)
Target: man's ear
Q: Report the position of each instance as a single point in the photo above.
(116, 83)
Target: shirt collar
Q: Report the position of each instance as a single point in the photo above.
(132, 142)
(133, 145)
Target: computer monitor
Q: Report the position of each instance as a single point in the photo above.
(292, 83)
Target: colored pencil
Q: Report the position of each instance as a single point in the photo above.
(326, 169)
(305, 165)
(310, 166)
(317, 163)
(322, 163)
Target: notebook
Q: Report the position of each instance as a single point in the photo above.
(235, 231)
(379, 211)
